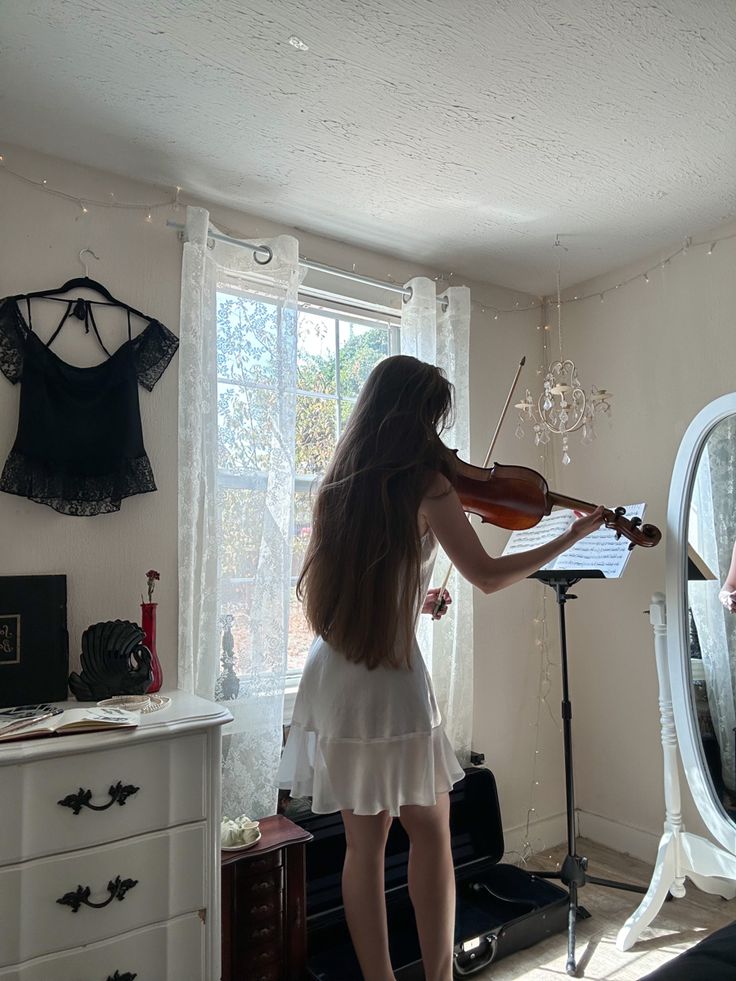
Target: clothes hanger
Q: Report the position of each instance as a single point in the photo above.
(83, 282)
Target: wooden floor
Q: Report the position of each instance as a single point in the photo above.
(680, 924)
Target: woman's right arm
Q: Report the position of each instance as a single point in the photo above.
(727, 595)
(443, 512)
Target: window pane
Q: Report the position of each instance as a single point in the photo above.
(236, 599)
(247, 340)
(241, 521)
(300, 637)
(303, 502)
(316, 353)
(248, 361)
(346, 407)
(316, 432)
(361, 348)
(244, 428)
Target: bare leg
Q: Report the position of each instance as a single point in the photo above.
(432, 883)
(363, 892)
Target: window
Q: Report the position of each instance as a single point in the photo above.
(336, 351)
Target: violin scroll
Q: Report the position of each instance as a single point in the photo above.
(632, 528)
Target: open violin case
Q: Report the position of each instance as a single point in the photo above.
(500, 908)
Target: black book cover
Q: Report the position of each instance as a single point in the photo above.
(34, 645)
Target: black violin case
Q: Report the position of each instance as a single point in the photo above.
(500, 908)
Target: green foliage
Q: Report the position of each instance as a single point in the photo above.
(248, 364)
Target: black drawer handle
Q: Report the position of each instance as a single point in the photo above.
(263, 886)
(119, 793)
(117, 976)
(80, 897)
(260, 910)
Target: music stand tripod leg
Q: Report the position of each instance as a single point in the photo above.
(573, 871)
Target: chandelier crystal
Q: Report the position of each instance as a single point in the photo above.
(563, 407)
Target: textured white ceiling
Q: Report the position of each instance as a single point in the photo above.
(461, 133)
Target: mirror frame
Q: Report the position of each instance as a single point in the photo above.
(678, 648)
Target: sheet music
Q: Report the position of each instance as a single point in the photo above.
(551, 526)
(598, 551)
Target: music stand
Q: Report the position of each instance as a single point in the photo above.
(573, 872)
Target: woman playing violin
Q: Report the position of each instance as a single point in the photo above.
(366, 736)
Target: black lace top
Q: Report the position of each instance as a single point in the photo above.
(79, 446)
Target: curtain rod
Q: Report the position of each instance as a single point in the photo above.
(405, 292)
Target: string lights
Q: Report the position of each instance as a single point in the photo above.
(542, 652)
(687, 247)
(84, 204)
(538, 303)
(544, 687)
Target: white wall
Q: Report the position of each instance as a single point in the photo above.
(105, 557)
(665, 349)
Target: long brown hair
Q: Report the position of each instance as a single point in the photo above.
(361, 575)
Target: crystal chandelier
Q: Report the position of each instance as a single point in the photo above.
(563, 407)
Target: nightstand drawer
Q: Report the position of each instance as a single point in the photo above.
(261, 935)
(261, 962)
(108, 795)
(256, 889)
(166, 951)
(105, 892)
(262, 863)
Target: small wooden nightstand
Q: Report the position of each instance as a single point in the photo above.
(264, 923)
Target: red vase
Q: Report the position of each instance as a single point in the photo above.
(148, 622)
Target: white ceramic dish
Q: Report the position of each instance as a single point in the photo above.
(241, 848)
(137, 703)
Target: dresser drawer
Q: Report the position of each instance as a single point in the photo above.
(109, 794)
(173, 950)
(144, 880)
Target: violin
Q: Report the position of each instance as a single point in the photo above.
(519, 497)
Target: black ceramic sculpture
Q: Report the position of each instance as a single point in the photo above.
(114, 662)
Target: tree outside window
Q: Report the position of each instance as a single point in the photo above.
(336, 352)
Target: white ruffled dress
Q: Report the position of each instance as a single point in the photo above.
(368, 741)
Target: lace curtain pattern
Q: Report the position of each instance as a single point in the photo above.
(237, 444)
(439, 333)
(197, 481)
(712, 533)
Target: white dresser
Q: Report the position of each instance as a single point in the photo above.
(110, 851)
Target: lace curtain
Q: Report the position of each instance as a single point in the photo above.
(439, 333)
(236, 458)
(712, 533)
(198, 641)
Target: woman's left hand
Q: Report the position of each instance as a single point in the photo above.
(431, 601)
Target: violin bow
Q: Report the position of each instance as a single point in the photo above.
(440, 602)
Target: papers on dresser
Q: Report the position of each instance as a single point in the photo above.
(68, 722)
(600, 550)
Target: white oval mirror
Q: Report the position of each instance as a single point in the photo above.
(701, 632)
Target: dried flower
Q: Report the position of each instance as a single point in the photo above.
(152, 577)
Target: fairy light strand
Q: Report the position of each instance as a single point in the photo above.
(542, 708)
(84, 203)
(148, 207)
